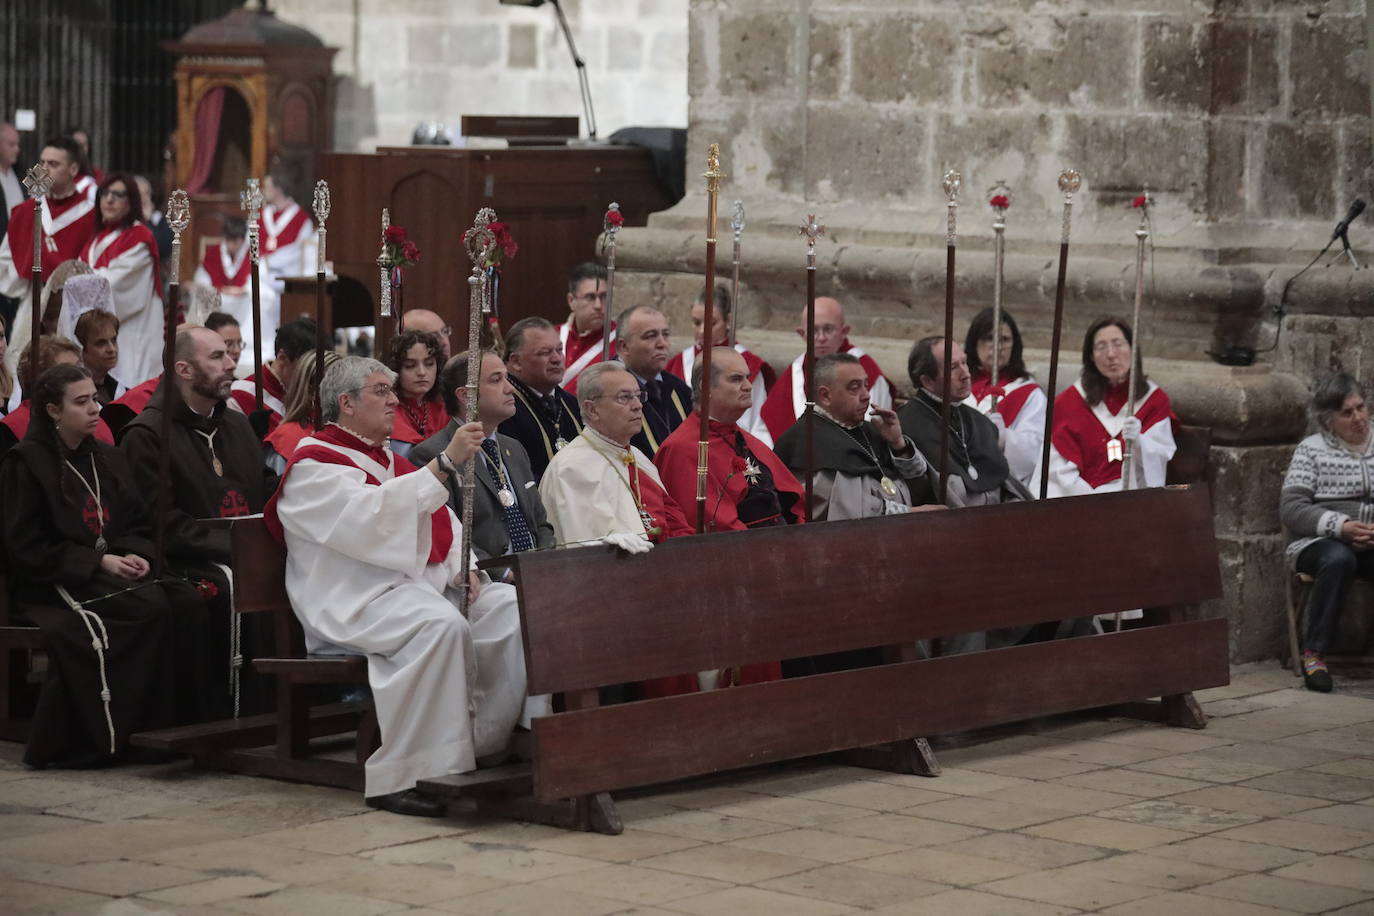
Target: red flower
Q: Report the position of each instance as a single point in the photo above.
(1000, 202)
(410, 251)
(395, 235)
(504, 241)
(206, 589)
(737, 465)
(1141, 201)
(615, 218)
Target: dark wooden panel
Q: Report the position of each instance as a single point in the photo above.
(616, 747)
(259, 565)
(593, 617)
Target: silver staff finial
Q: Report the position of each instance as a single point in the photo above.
(812, 231)
(38, 181)
(1070, 181)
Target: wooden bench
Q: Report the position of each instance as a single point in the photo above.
(735, 598)
(278, 744)
(18, 682)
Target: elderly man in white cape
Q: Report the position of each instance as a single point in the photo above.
(373, 567)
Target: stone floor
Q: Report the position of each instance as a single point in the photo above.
(1269, 810)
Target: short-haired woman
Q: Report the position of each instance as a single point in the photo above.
(1327, 503)
(1016, 404)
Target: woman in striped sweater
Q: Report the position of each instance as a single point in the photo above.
(1328, 503)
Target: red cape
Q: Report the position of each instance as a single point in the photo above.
(677, 465)
(1081, 439)
(133, 235)
(441, 531)
(436, 418)
(779, 411)
(214, 266)
(69, 241)
(1008, 405)
(18, 422)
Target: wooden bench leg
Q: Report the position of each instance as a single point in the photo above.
(912, 756)
(1295, 608)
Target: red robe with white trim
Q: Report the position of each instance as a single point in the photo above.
(787, 399)
(1082, 458)
(580, 351)
(127, 257)
(241, 396)
(1021, 404)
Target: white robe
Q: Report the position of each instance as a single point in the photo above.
(139, 308)
(1149, 465)
(447, 689)
(238, 301)
(585, 495)
(1024, 440)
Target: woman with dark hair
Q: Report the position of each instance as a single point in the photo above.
(1016, 405)
(1092, 431)
(1327, 502)
(415, 359)
(299, 419)
(124, 252)
(121, 645)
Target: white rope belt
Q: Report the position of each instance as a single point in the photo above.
(235, 641)
(100, 643)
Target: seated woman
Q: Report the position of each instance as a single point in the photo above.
(1093, 431)
(299, 419)
(1325, 502)
(1016, 404)
(52, 351)
(415, 359)
(75, 538)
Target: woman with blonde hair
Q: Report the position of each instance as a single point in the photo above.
(299, 419)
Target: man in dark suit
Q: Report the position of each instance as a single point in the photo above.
(508, 516)
(644, 349)
(546, 417)
(12, 194)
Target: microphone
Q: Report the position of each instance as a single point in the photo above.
(1355, 210)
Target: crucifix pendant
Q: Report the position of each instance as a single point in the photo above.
(216, 465)
(647, 519)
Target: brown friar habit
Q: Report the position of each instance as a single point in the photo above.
(153, 634)
(240, 486)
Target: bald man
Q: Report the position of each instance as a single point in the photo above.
(787, 399)
(425, 320)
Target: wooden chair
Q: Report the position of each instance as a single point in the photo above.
(1298, 593)
(18, 644)
(1192, 459)
(736, 598)
(278, 744)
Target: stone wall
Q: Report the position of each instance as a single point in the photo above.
(1248, 121)
(406, 61)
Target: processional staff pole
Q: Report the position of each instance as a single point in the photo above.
(812, 231)
(736, 224)
(1069, 183)
(251, 201)
(480, 243)
(713, 175)
(321, 208)
(610, 224)
(39, 183)
(178, 218)
(384, 271)
(1000, 201)
(1142, 232)
(951, 184)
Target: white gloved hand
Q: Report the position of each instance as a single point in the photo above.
(1130, 429)
(630, 543)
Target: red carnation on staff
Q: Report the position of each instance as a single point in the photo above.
(506, 246)
(410, 252)
(615, 218)
(395, 235)
(1142, 201)
(400, 250)
(1000, 202)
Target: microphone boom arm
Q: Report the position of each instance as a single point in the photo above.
(581, 65)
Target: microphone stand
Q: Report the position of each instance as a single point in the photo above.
(581, 70)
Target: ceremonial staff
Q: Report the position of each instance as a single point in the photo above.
(1142, 232)
(951, 184)
(251, 201)
(1069, 183)
(812, 231)
(737, 224)
(480, 243)
(1000, 201)
(178, 218)
(384, 269)
(321, 208)
(39, 183)
(713, 175)
(610, 224)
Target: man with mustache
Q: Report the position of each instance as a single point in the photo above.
(217, 472)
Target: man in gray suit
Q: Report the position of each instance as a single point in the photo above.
(508, 515)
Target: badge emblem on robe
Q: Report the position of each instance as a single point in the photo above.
(95, 519)
(1113, 449)
(233, 505)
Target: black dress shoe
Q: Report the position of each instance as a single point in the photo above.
(409, 801)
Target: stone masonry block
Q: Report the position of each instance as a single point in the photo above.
(1177, 66)
(522, 46)
(857, 153)
(1245, 486)
(897, 59)
(826, 57)
(757, 54)
(1328, 67)
(1062, 73)
(1164, 154)
(1298, 162)
(1226, 169)
(1245, 67)
(1253, 578)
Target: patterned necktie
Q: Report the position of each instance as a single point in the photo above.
(516, 526)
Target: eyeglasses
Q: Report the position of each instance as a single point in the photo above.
(1102, 346)
(115, 194)
(625, 397)
(446, 331)
(381, 390)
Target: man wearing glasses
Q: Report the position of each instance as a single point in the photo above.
(425, 320)
(787, 399)
(581, 333)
